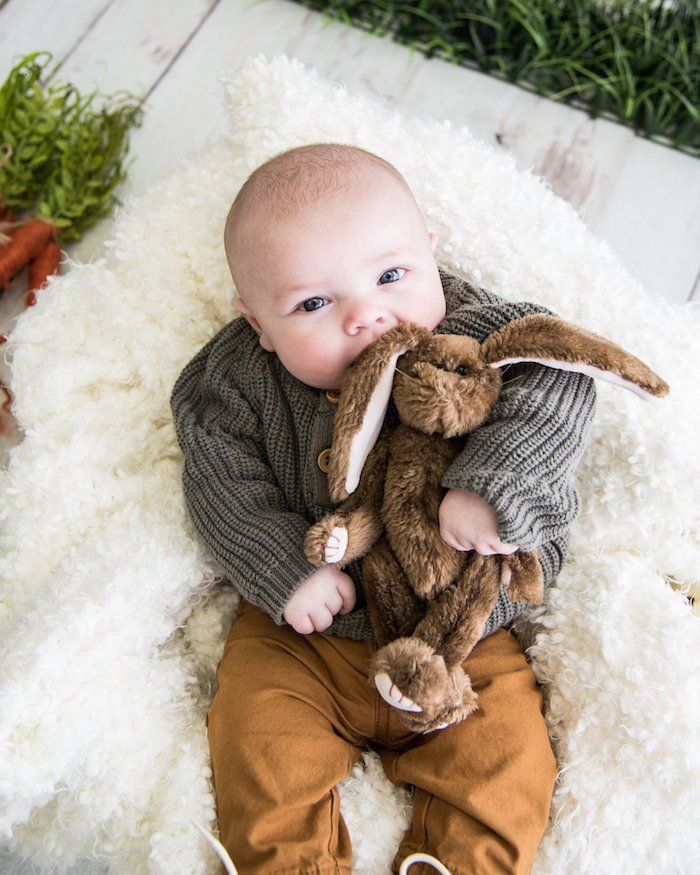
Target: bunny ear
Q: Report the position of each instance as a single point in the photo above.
(363, 401)
(551, 341)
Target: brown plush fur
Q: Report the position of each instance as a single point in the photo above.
(428, 602)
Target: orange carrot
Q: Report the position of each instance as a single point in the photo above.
(41, 268)
(27, 242)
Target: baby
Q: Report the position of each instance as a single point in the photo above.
(328, 249)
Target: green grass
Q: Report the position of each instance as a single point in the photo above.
(636, 62)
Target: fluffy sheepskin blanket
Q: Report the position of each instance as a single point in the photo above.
(113, 618)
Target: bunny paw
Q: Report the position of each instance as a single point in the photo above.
(336, 544)
(327, 541)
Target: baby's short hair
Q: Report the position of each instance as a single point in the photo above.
(300, 178)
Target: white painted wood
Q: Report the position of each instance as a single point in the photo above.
(37, 25)
(651, 217)
(133, 44)
(105, 46)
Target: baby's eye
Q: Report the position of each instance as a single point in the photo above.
(312, 308)
(391, 272)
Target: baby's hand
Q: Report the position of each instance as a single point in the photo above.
(467, 522)
(328, 591)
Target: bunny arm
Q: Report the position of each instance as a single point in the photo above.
(358, 517)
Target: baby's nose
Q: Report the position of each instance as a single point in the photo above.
(367, 315)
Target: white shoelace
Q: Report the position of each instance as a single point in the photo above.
(218, 847)
(231, 869)
(422, 858)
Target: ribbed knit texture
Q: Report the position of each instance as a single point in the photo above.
(251, 433)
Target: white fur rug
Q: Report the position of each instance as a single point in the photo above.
(112, 621)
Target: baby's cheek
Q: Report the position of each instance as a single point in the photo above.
(320, 359)
(313, 361)
(431, 307)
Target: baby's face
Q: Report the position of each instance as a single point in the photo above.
(322, 286)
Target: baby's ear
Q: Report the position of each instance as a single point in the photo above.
(243, 308)
(240, 305)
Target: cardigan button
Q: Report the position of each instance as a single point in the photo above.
(323, 460)
(333, 396)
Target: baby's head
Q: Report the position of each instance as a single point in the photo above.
(328, 249)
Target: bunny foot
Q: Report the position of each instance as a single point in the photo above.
(411, 677)
(392, 694)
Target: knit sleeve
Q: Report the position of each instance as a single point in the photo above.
(235, 503)
(523, 458)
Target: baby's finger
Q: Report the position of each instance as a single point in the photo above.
(451, 541)
(485, 550)
(506, 549)
(303, 625)
(334, 603)
(498, 547)
(346, 590)
(321, 618)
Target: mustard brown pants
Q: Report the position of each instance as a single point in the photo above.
(292, 715)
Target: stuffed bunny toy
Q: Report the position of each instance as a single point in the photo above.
(429, 602)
